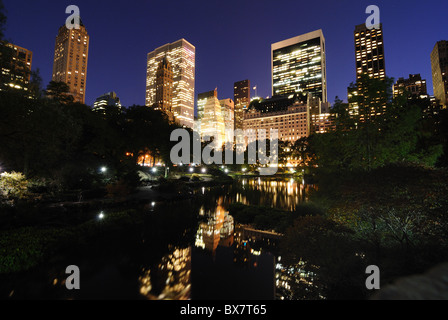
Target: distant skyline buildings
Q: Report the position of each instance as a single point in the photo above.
(439, 67)
(109, 99)
(299, 65)
(181, 55)
(414, 85)
(71, 53)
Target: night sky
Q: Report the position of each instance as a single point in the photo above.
(232, 38)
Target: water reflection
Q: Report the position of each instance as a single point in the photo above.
(170, 279)
(217, 230)
(285, 194)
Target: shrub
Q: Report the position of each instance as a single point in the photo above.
(13, 185)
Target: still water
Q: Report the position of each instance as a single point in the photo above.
(190, 249)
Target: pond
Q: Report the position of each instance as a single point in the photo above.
(189, 249)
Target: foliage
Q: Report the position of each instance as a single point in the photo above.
(383, 130)
(13, 185)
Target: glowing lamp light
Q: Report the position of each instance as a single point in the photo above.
(191, 170)
(204, 170)
(101, 216)
(154, 169)
(103, 169)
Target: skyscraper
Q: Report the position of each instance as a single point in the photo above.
(439, 66)
(181, 56)
(70, 60)
(241, 98)
(164, 88)
(15, 67)
(369, 51)
(299, 65)
(369, 60)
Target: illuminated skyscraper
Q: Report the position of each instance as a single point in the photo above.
(369, 57)
(299, 65)
(181, 56)
(439, 66)
(241, 98)
(369, 50)
(70, 60)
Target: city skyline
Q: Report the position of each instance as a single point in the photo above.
(249, 61)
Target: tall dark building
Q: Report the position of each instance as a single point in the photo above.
(439, 66)
(241, 98)
(299, 65)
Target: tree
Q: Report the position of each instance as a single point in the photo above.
(59, 92)
(382, 131)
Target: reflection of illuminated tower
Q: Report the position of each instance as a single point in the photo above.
(218, 230)
(170, 280)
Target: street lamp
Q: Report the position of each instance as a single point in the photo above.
(191, 170)
(154, 170)
(204, 170)
(103, 169)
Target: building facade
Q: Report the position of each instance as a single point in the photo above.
(241, 98)
(212, 123)
(439, 68)
(164, 88)
(70, 60)
(369, 52)
(181, 56)
(299, 65)
(414, 85)
(15, 67)
(291, 123)
(109, 99)
(228, 114)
